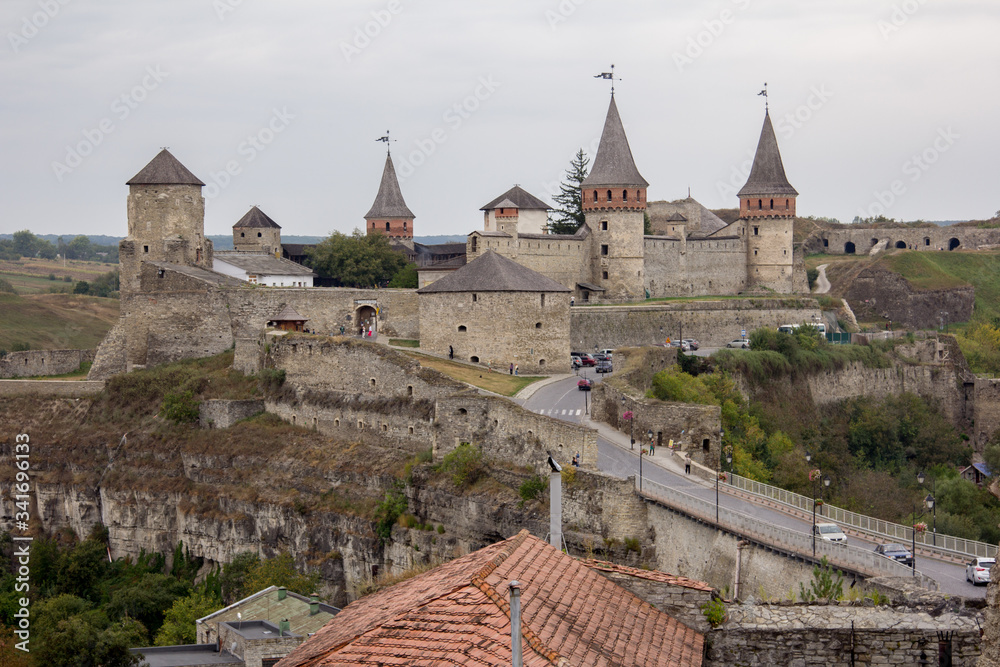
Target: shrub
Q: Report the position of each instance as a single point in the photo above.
(67, 279)
(714, 611)
(20, 347)
(632, 544)
(464, 464)
(52, 276)
(441, 529)
(388, 512)
(180, 407)
(271, 379)
(5, 286)
(824, 584)
(532, 486)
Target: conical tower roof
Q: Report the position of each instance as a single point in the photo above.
(256, 219)
(614, 164)
(389, 200)
(164, 169)
(767, 176)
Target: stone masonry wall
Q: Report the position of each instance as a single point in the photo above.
(712, 323)
(565, 259)
(695, 266)
(508, 432)
(760, 634)
(986, 413)
(42, 362)
(222, 413)
(924, 239)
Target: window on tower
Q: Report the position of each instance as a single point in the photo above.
(604, 248)
(386, 226)
(760, 204)
(404, 225)
(609, 195)
(772, 204)
(624, 195)
(604, 225)
(595, 196)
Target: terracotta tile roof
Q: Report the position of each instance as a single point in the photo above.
(652, 575)
(459, 613)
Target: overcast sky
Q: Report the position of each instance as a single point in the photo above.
(879, 105)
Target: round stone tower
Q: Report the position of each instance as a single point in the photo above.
(767, 205)
(166, 220)
(256, 232)
(614, 203)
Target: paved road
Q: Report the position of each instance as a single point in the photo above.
(561, 399)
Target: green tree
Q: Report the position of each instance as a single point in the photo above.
(146, 600)
(569, 204)
(405, 277)
(357, 260)
(234, 576)
(25, 243)
(82, 287)
(80, 248)
(178, 623)
(81, 568)
(647, 225)
(279, 571)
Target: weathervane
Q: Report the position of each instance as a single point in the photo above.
(764, 93)
(609, 76)
(386, 139)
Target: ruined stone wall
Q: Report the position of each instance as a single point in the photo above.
(33, 363)
(713, 323)
(355, 366)
(759, 634)
(597, 504)
(223, 413)
(530, 329)
(834, 241)
(507, 432)
(986, 413)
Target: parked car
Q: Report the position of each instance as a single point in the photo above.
(741, 343)
(583, 384)
(897, 552)
(830, 532)
(600, 356)
(978, 570)
(604, 366)
(692, 343)
(607, 352)
(588, 360)
(575, 362)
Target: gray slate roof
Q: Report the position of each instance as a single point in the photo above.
(389, 200)
(614, 164)
(164, 169)
(491, 272)
(260, 264)
(767, 176)
(518, 198)
(256, 219)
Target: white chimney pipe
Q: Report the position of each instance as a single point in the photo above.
(555, 504)
(515, 624)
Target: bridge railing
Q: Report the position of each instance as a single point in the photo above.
(845, 556)
(943, 544)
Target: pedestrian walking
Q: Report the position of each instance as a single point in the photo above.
(576, 460)
(515, 368)
(512, 369)
(451, 352)
(687, 463)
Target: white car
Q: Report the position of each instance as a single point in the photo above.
(741, 343)
(978, 570)
(830, 532)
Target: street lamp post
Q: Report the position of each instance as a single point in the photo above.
(812, 478)
(930, 502)
(826, 483)
(718, 474)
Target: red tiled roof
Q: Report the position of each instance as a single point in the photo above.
(652, 575)
(459, 613)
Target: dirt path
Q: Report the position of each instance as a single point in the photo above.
(822, 284)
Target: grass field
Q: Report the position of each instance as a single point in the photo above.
(31, 275)
(55, 321)
(923, 270)
(498, 383)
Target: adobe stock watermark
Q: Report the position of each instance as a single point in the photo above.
(225, 7)
(454, 117)
(712, 29)
(121, 108)
(785, 125)
(898, 17)
(247, 151)
(562, 12)
(21, 559)
(914, 168)
(32, 24)
(365, 34)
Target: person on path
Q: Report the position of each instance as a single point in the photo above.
(512, 369)
(515, 368)
(451, 352)
(576, 460)
(687, 463)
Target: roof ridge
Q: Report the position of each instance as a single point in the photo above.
(479, 581)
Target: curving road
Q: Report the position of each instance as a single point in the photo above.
(561, 399)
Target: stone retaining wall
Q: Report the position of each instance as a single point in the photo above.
(34, 363)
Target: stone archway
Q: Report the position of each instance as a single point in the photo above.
(901, 244)
(364, 317)
(849, 248)
(953, 243)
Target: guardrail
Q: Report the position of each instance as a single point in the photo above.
(943, 544)
(838, 555)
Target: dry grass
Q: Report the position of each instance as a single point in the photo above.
(55, 321)
(499, 382)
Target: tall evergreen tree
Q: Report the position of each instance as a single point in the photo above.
(568, 216)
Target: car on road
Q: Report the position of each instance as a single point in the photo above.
(575, 362)
(600, 356)
(583, 384)
(608, 352)
(741, 343)
(897, 552)
(585, 359)
(978, 570)
(692, 343)
(604, 366)
(830, 532)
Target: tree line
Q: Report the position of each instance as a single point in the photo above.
(26, 244)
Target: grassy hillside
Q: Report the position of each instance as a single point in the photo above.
(55, 321)
(31, 275)
(923, 270)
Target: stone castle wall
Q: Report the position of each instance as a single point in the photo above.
(834, 241)
(33, 363)
(565, 259)
(695, 266)
(529, 329)
(712, 323)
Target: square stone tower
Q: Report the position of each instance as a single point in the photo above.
(166, 220)
(614, 203)
(256, 232)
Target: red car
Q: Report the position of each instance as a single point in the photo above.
(588, 360)
(583, 384)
